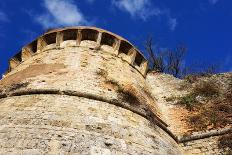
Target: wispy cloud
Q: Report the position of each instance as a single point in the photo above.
(60, 13)
(172, 22)
(143, 9)
(213, 1)
(3, 17)
(137, 8)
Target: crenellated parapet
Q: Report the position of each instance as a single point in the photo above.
(90, 37)
(81, 90)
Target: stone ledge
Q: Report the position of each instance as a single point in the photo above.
(91, 37)
(202, 135)
(143, 111)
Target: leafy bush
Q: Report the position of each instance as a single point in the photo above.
(215, 109)
(188, 100)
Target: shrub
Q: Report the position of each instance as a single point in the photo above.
(198, 122)
(217, 108)
(213, 118)
(225, 141)
(188, 100)
(206, 88)
(191, 78)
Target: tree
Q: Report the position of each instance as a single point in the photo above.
(171, 61)
(167, 61)
(155, 57)
(175, 60)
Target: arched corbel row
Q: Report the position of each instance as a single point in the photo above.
(74, 36)
(69, 34)
(127, 52)
(141, 63)
(59, 38)
(29, 50)
(89, 34)
(47, 41)
(15, 61)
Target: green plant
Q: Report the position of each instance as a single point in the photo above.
(213, 118)
(215, 108)
(188, 100)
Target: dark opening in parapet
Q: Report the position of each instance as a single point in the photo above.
(125, 47)
(33, 46)
(50, 38)
(108, 39)
(70, 35)
(18, 56)
(89, 34)
(138, 59)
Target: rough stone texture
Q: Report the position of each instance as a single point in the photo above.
(207, 146)
(67, 124)
(84, 90)
(164, 86)
(78, 93)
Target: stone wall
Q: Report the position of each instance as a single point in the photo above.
(84, 90)
(41, 124)
(80, 91)
(165, 86)
(206, 146)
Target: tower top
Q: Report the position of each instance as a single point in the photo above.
(102, 38)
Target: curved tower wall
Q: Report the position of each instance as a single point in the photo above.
(80, 90)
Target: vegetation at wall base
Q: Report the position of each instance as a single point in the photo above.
(209, 106)
(225, 142)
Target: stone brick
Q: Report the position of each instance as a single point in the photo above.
(75, 97)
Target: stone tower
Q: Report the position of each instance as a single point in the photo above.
(80, 90)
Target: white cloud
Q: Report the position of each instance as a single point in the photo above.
(143, 9)
(137, 8)
(61, 13)
(213, 1)
(3, 17)
(172, 22)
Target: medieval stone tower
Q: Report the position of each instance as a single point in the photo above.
(80, 90)
(84, 90)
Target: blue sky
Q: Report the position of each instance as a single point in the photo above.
(204, 26)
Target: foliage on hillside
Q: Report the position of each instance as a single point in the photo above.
(209, 102)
